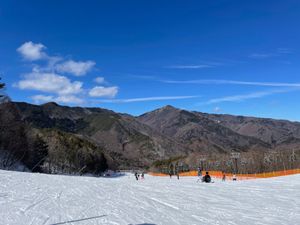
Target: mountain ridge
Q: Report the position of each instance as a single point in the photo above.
(138, 141)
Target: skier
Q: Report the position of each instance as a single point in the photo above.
(177, 175)
(170, 173)
(199, 172)
(206, 178)
(142, 176)
(234, 177)
(136, 175)
(224, 176)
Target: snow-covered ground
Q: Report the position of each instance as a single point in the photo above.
(27, 198)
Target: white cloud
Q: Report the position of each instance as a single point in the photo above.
(233, 82)
(160, 98)
(31, 51)
(69, 99)
(72, 99)
(49, 83)
(100, 91)
(77, 68)
(42, 98)
(45, 77)
(99, 80)
(242, 97)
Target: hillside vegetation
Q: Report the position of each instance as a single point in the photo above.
(58, 139)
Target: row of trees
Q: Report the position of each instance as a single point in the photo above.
(255, 162)
(246, 162)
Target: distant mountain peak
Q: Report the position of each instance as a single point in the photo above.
(168, 107)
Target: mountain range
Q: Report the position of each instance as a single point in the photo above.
(136, 142)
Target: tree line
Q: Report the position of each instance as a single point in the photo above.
(246, 163)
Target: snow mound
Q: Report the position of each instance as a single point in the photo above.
(27, 198)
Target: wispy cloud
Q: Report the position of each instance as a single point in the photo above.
(243, 97)
(199, 66)
(204, 64)
(264, 55)
(99, 80)
(284, 50)
(146, 99)
(233, 82)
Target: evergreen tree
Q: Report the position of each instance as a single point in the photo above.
(2, 85)
(96, 163)
(3, 96)
(102, 164)
(40, 152)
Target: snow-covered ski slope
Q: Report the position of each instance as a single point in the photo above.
(27, 198)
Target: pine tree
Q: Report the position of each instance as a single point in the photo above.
(40, 152)
(102, 166)
(2, 85)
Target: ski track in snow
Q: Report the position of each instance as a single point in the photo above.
(33, 199)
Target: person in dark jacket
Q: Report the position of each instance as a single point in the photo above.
(136, 176)
(223, 176)
(206, 178)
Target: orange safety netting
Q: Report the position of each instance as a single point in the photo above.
(218, 174)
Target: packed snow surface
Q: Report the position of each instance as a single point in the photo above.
(27, 198)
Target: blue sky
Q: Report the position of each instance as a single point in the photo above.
(235, 57)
